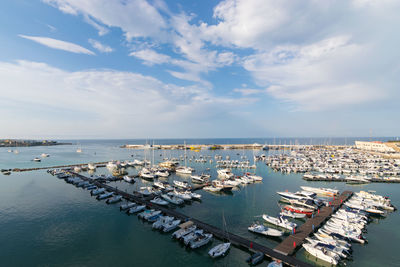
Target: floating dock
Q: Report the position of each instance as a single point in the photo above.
(236, 240)
(97, 164)
(293, 242)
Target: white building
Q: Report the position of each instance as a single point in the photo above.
(374, 146)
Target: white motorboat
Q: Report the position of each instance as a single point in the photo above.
(261, 229)
(44, 155)
(302, 195)
(219, 250)
(37, 160)
(128, 179)
(136, 209)
(162, 173)
(341, 251)
(104, 195)
(184, 170)
(169, 226)
(146, 191)
(182, 195)
(288, 213)
(225, 173)
(181, 184)
(200, 240)
(357, 180)
(149, 213)
(127, 205)
(159, 201)
(98, 191)
(200, 179)
(322, 254)
(255, 178)
(231, 182)
(163, 185)
(91, 166)
(172, 199)
(321, 190)
(212, 188)
(280, 221)
(184, 231)
(222, 185)
(162, 220)
(112, 166)
(114, 199)
(146, 174)
(191, 236)
(194, 195)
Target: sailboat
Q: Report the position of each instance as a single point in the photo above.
(184, 169)
(221, 249)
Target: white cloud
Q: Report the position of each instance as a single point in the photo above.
(52, 28)
(316, 76)
(248, 91)
(58, 44)
(100, 47)
(101, 29)
(137, 18)
(63, 103)
(150, 57)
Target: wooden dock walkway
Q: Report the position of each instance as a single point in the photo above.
(236, 240)
(293, 242)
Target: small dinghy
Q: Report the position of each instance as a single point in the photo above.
(104, 196)
(127, 206)
(255, 258)
(114, 199)
(136, 209)
(159, 201)
(219, 250)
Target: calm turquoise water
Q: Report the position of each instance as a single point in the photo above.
(45, 221)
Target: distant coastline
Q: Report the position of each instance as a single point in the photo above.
(28, 143)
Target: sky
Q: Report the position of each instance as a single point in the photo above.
(199, 69)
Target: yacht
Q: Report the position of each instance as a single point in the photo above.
(225, 173)
(321, 190)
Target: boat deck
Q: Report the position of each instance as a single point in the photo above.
(294, 241)
(236, 240)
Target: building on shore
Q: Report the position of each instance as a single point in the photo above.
(376, 146)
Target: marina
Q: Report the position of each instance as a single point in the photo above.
(217, 232)
(292, 247)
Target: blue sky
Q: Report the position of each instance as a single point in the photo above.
(176, 69)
